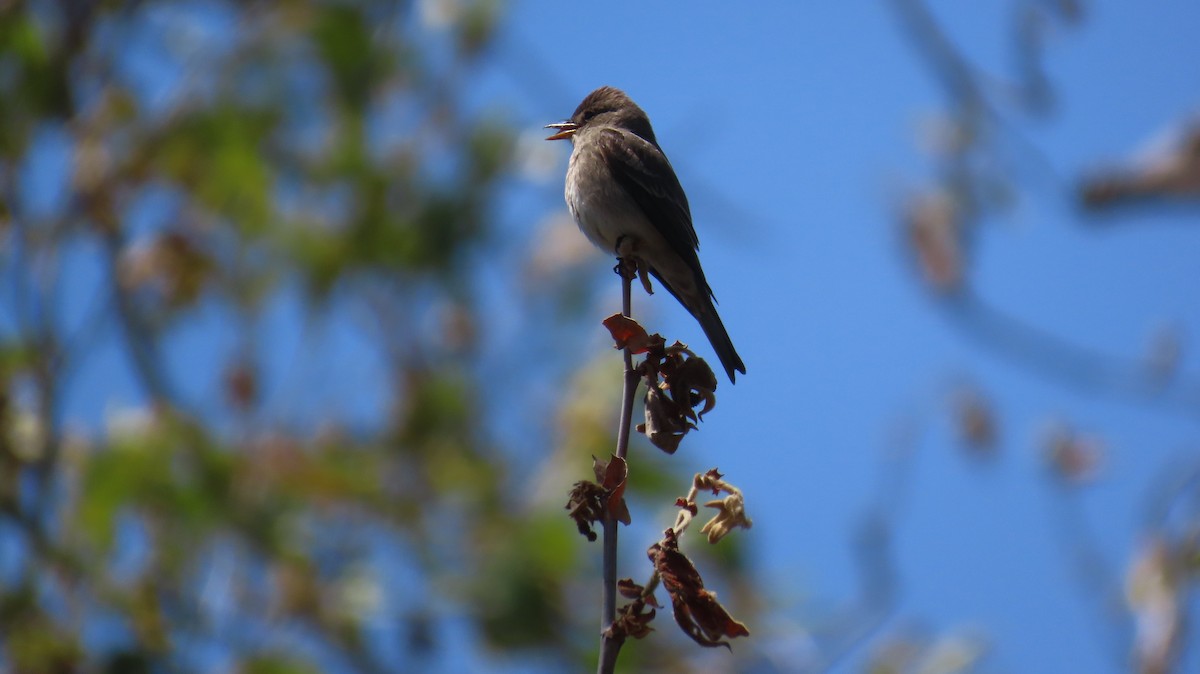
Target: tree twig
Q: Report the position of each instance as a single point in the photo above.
(610, 646)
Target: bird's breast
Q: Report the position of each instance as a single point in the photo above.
(606, 213)
(599, 205)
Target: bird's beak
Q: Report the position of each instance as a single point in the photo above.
(565, 130)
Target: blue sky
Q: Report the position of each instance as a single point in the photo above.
(794, 128)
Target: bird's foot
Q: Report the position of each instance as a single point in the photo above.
(627, 263)
(645, 279)
(626, 268)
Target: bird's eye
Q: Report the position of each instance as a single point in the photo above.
(589, 115)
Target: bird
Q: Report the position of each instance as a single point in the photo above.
(624, 195)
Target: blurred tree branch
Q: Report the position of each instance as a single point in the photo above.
(205, 163)
(975, 181)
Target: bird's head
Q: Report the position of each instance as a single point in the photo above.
(606, 106)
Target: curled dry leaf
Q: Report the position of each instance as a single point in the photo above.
(629, 589)
(611, 473)
(633, 620)
(686, 394)
(627, 333)
(731, 514)
(615, 473)
(666, 424)
(696, 609)
(692, 383)
(588, 502)
(585, 504)
(711, 479)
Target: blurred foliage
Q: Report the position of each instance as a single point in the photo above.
(325, 146)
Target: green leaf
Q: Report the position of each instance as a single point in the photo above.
(277, 664)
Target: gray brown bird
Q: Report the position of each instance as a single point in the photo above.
(624, 195)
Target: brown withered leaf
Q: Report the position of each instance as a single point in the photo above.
(696, 610)
(585, 504)
(612, 476)
(681, 502)
(691, 383)
(617, 508)
(631, 621)
(666, 423)
(627, 333)
(629, 589)
(599, 467)
(611, 473)
(589, 501)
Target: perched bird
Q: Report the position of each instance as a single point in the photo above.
(625, 197)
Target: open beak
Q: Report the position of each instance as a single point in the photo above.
(565, 130)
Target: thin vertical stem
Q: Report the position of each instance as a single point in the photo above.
(610, 646)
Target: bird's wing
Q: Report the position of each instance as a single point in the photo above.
(645, 174)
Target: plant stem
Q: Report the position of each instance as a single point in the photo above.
(611, 646)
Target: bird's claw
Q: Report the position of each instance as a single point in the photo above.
(627, 262)
(641, 270)
(626, 268)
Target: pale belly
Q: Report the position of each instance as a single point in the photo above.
(601, 208)
(606, 214)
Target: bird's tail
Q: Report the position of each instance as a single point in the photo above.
(714, 329)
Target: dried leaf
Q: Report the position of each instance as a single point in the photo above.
(615, 472)
(665, 422)
(731, 515)
(694, 375)
(617, 508)
(627, 333)
(629, 589)
(696, 610)
(714, 477)
(589, 502)
(631, 622)
(585, 506)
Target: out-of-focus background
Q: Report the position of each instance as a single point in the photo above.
(300, 352)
